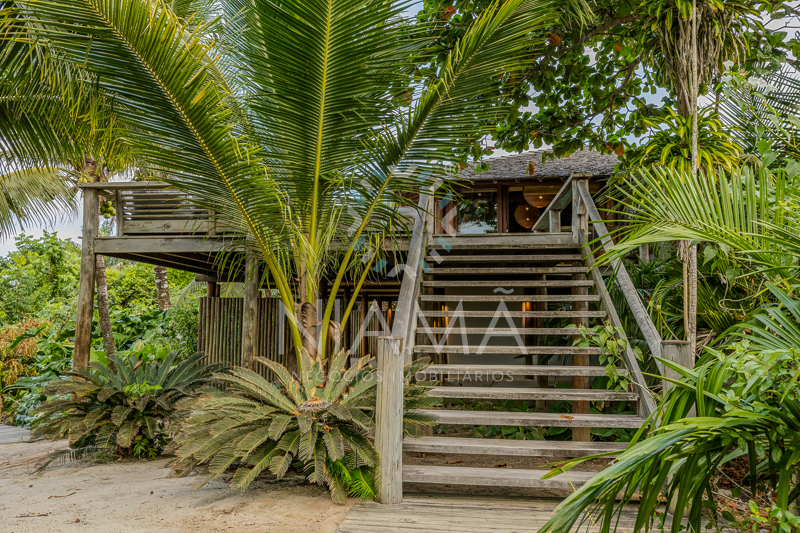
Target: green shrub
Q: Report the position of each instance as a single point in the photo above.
(128, 410)
(319, 422)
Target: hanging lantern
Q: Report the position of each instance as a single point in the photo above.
(526, 215)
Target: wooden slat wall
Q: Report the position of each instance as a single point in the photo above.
(220, 331)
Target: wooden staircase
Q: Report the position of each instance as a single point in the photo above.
(490, 311)
(508, 295)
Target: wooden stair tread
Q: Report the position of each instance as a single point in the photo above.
(514, 314)
(530, 393)
(518, 270)
(501, 418)
(511, 283)
(454, 258)
(508, 331)
(515, 370)
(493, 477)
(509, 350)
(510, 447)
(510, 298)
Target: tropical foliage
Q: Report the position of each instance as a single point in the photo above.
(319, 420)
(291, 175)
(128, 409)
(740, 410)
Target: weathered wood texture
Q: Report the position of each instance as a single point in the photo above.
(498, 418)
(499, 372)
(405, 321)
(678, 352)
(509, 447)
(220, 331)
(389, 419)
(83, 322)
(423, 513)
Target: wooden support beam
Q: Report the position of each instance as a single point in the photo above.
(83, 321)
(644, 253)
(678, 352)
(555, 221)
(580, 232)
(250, 312)
(389, 420)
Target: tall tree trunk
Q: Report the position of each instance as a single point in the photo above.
(690, 314)
(162, 287)
(102, 306)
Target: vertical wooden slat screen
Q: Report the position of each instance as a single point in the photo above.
(219, 333)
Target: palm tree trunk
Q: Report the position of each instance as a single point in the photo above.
(102, 307)
(690, 315)
(162, 287)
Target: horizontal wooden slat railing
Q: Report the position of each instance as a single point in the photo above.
(156, 208)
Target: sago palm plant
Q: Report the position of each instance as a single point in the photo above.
(318, 420)
(293, 120)
(128, 410)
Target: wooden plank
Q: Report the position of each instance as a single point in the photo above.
(505, 331)
(404, 319)
(85, 305)
(514, 314)
(167, 226)
(511, 298)
(504, 258)
(517, 350)
(509, 283)
(507, 241)
(130, 185)
(498, 418)
(509, 447)
(176, 245)
(518, 270)
(529, 393)
(500, 372)
(492, 477)
(389, 419)
(678, 352)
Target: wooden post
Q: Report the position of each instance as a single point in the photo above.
(580, 233)
(250, 312)
(389, 419)
(644, 253)
(679, 352)
(555, 221)
(83, 322)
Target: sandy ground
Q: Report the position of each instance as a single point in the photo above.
(139, 497)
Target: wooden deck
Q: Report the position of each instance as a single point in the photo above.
(13, 434)
(422, 513)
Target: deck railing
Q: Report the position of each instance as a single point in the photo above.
(585, 218)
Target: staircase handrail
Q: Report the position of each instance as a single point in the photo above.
(405, 320)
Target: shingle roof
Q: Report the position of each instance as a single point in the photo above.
(516, 166)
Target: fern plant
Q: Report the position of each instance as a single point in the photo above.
(129, 410)
(319, 421)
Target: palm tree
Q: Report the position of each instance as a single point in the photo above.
(47, 144)
(295, 120)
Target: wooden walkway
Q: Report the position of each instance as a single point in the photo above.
(423, 513)
(13, 434)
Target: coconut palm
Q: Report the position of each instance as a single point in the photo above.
(294, 120)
